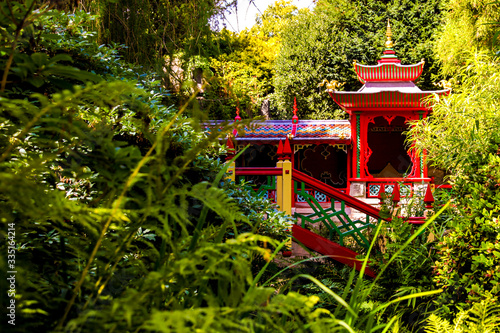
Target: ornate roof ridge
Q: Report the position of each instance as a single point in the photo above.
(388, 71)
(331, 131)
(389, 67)
(392, 91)
(305, 121)
(389, 64)
(384, 100)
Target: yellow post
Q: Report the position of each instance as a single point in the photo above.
(231, 171)
(279, 179)
(287, 177)
(287, 187)
(279, 187)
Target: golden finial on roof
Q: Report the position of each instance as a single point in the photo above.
(447, 84)
(333, 85)
(388, 42)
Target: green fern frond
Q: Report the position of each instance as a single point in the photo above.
(460, 320)
(484, 317)
(437, 325)
(218, 201)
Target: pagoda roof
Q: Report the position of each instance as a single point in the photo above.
(388, 71)
(389, 67)
(387, 100)
(388, 86)
(328, 131)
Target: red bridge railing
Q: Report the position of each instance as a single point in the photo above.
(353, 202)
(259, 171)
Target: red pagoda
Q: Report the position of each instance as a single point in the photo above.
(364, 154)
(379, 114)
(334, 172)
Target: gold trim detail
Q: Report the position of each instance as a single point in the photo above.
(296, 148)
(388, 42)
(333, 85)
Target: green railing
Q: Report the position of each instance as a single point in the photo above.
(266, 190)
(336, 220)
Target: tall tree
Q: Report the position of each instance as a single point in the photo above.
(244, 67)
(275, 18)
(155, 28)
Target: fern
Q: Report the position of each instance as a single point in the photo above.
(482, 317)
(438, 325)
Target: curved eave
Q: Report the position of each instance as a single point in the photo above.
(384, 100)
(294, 140)
(388, 72)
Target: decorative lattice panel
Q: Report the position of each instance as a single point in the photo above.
(405, 190)
(373, 190)
(336, 219)
(321, 197)
(301, 198)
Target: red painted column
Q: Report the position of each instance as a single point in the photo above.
(356, 129)
(349, 168)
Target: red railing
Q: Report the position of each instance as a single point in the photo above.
(259, 171)
(336, 194)
(317, 185)
(353, 202)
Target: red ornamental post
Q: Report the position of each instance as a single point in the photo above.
(237, 119)
(295, 118)
(429, 198)
(230, 149)
(287, 150)
(380, 193)
(279, 153)
(396, 195)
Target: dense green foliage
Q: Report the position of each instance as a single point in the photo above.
(470, 26)
(116, 226)
(462, 138)
(123, 221)
(483, 317)
(243, 70)
(322, 44)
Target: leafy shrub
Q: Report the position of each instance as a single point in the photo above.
(462, 138)
(411, 269)
(121, 223)
(468, 266)
(264, 216)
